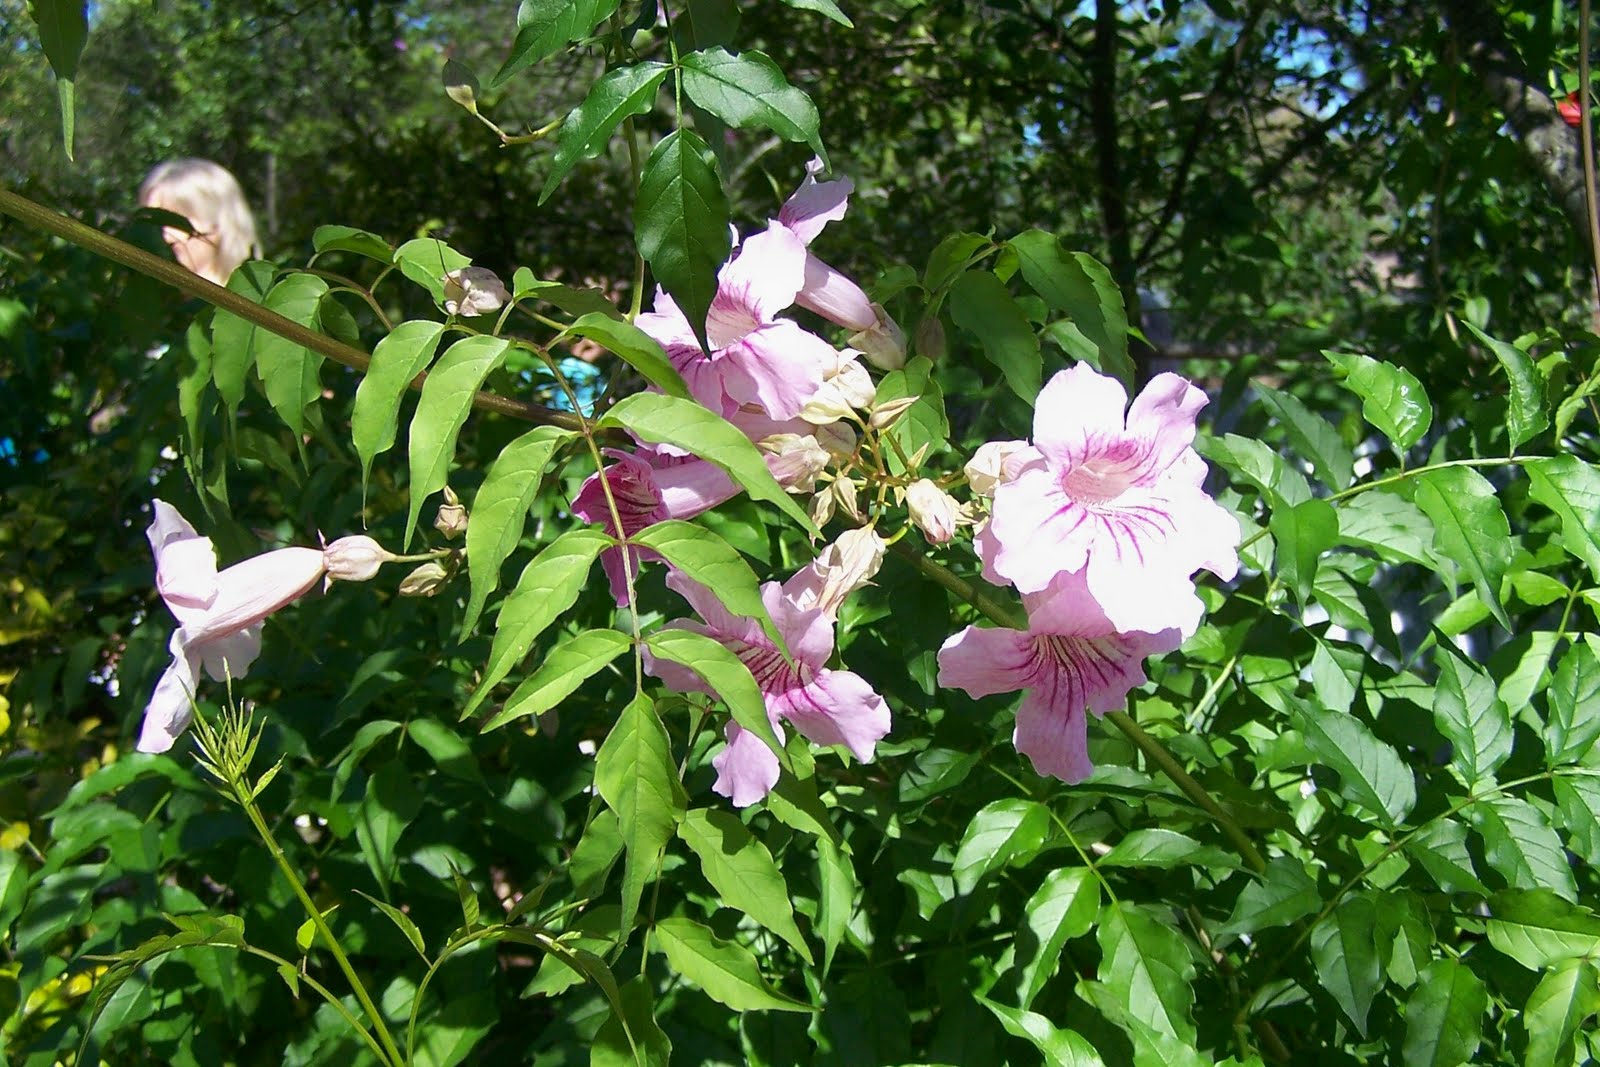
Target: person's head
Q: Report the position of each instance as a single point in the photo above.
(210, 198)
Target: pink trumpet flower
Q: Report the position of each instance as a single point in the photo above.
(826, 291)
(1116, 496)
(219, 614)
(828, 707)
(1070, 658)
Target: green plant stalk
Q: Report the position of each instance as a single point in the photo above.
(1153, 749)
(321, 924)
(326, 994)
(103, 244)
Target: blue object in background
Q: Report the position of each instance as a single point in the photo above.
(585, 379)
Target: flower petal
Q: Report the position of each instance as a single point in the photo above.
(835, 297)
(777, 367)
(1078, 414)
(988, 661)
(1163, 415)
(230, 655)
(1053, 736)
(815, 204)
(836, 708)
(171, 706)
(756, 284)
(252, 589)
(746, 770)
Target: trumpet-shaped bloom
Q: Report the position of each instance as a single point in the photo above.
(219, 614)
(825, 290)
(648, 489)
(1116, 496)
(756, 358)
(828, 707)
(1070, 658)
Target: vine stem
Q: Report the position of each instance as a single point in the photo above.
(325, 993)
(103, 244)
(1153, 749)
(1586, 138)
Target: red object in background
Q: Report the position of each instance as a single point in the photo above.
(1571, 110)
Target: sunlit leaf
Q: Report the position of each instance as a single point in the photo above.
(441, 412)
(1000, 832)
(726, 972)
(403, 353)
(1391, 397)
(559, 674)
(981, 305)
(635, 775)
(680, 221)
(742, 871)
(748, 89)
(1444, 1016)
(1470, 529)
(500, 510)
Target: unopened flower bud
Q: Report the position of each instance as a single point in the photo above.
(354, 559)
(822, 508)
(845, 566)
(986, 469)
(795, 461)
(452, 518)
(844, 494)
(426, 580)
(461, 85)
(929, 338)
(884, 344)
(885, 415)
(474, 291)
(932, 509)
(838, 438)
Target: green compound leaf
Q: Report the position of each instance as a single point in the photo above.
(546, 26)
(1312, 436)
(709, 560)
(619, 94)
(1578, 801)
(1470, 529)
(289, 371)
(680, 221)
(1441, 847)
(442, 411)
(1345, 950)
(1063, 908)
(426, 260)
(1556, 1010)
(1003, 830)
(1371, 773)
(1284, 893)
(1149, 967)
(1061, 1048)
(232, 348)
(396, 361)
(567, 666)
(727, 676)
(500, 511)
(981, 305)
(549, 585)
(1538, 928)
(1391, 398)
(1526, 417)
(748, 89)
(1444, 1016)
(742, 871)
(1304, 531)
(1571, 488)
(350, 239)
(1079, 286)
(1470, 713)
(633, 346)
(726, 972)
(667, 419)
(1520, 845)
(635, 776)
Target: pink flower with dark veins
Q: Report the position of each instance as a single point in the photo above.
(219, 614)
(828, 707)
(1070, 658)
(1116, 496)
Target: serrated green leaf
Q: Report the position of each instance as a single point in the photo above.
(980, 304)
(635, 776)
(546, 26)
(1152, 1047)
(726, 972)
(1526, 416)
(548, 586)
(726, 675)
(1149, 967)
(1538, 928)
(441, 412)
(1441, 847)
(1578, 801)
(290, 372)
(1312, 436)
(402, 922)
(680, 222)
(1470, 529)
(1556, 1010)
(1063, 907)
(1521, 847)
(1391, 526)
(634, 1038)
(1571, 488)
(619, 94)
(1080, 286)
(1284, 893)
(500, 511)
(1471, 715)
(232, 347)
(748, 89)
(567, 666)
(661, 419)
(949, 258)
(1404, 925)
(350, 239)
(634, 347)
(710, 561)
(1157, 847)
(742, 871)
(1347, 957)
(1371, 773)
(1304, 531)
(1001, 831)
(1061, 1048)
(1258, 465)
(396, 361)
(1391, 397)
(1444, 1016)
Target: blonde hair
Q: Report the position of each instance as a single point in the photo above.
(209, 196)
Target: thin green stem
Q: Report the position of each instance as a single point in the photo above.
(169, 273)
(325, 993)
(1505, 461)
